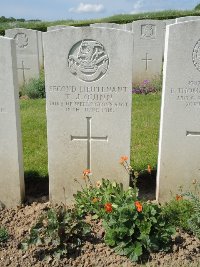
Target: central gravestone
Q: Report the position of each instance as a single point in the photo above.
(88, 89)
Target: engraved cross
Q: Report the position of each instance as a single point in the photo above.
(89, 138)
(23, 71)
(147, 59)
(190, 133)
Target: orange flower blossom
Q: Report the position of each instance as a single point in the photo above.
(138, 206)
(123, 159)
(149, 169)
(179, 197)
(108, 207)
(86, 172)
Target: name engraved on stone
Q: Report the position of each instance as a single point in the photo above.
(148, 31)
(88, 60)
(89, 138)
(21, 40)
(196, 55)
(23, 68)
(146, 59)
(2, 110)
(189, 95)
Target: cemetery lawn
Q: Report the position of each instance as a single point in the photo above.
(34, 137)
(145, 118)
(145, 130)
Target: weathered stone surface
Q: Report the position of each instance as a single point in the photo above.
(11, 164)
(40, 49)
(56, 27)
(169, 21)
(179, 153)
(187, 18)
(88, 85)
(27, 53)
(108, 25)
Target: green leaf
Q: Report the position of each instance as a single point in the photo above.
(137, 251)
(24, 246)
(95, 217)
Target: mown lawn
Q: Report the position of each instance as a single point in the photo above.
(34, 137)
(144, 145)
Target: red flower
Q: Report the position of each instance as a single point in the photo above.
(86, 172)
(108, 207)
(138, 206)
(179, 197)
(123, 159)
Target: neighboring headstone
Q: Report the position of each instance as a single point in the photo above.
(148, 49)
(27, 53)
(128, 27)
(188, 18)
(88, 95)
(108, 25)
(169, 21)
(11, 163)
(57, 27)
(179, 145)
(40, 49)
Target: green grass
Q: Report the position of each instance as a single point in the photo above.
(144, 146)
(145, 130)
(34, 137)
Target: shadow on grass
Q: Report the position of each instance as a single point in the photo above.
(147, 185)
(36, 187)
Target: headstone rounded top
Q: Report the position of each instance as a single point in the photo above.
(88, 60)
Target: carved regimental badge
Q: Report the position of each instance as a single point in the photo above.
(196, 55)
(148, 31)
(88, 60)
(21, 40)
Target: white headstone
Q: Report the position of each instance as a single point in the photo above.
(148, 49)
(128, 27)
(11, 163)
(108, 25)
(169, 21)
(179, 145)
(88, 89)
(188, 18)
(56, 27)
(27, 53)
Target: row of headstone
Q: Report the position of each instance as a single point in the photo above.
(29, 50)
(148, 47)
(88, 96)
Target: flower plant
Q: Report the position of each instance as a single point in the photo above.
(3, 234)
(147, 86)
(132, 226)
(61, 229)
